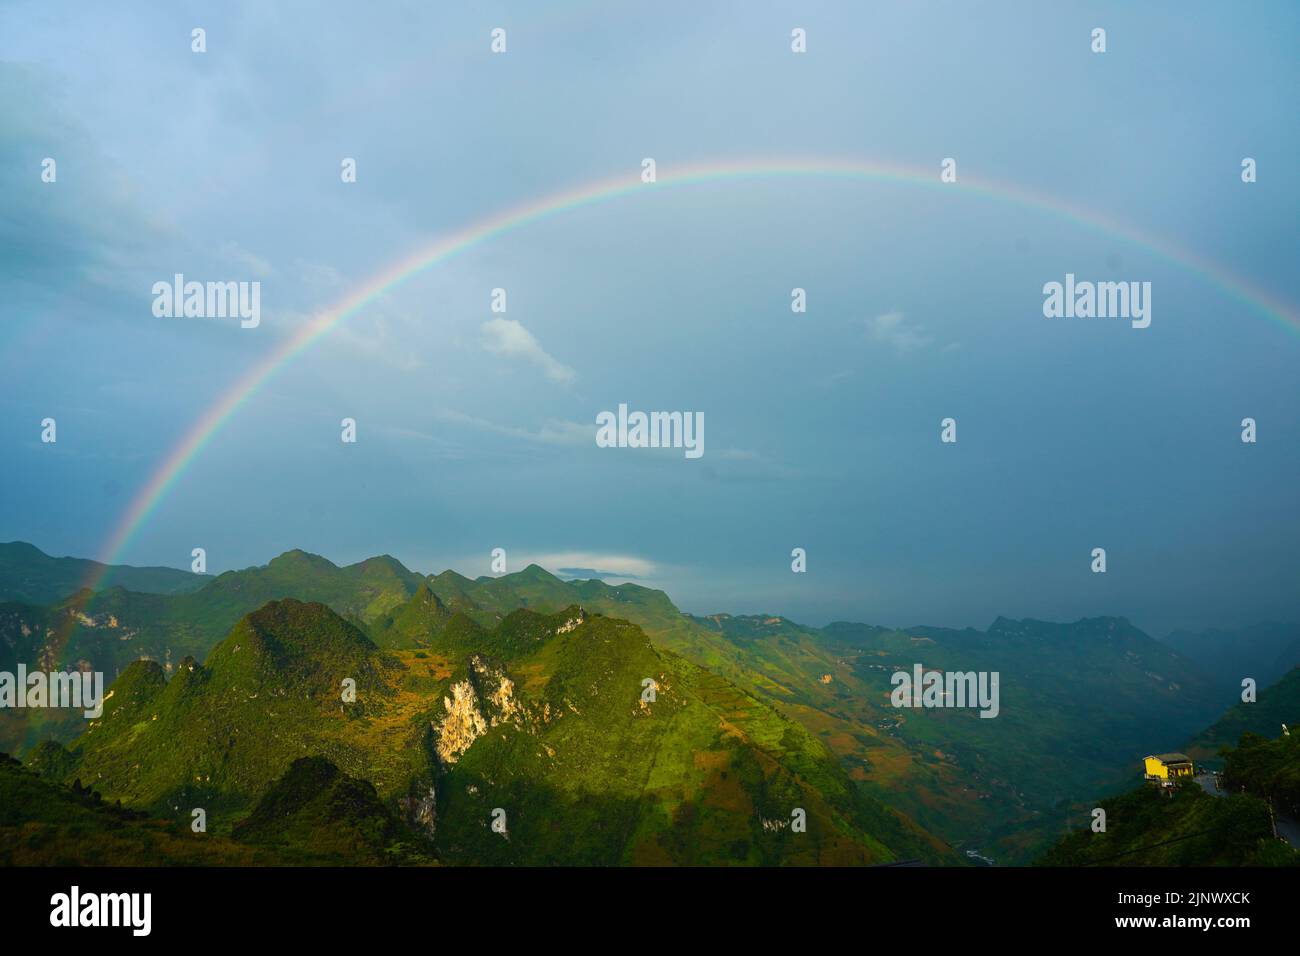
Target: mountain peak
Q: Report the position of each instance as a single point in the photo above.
(22, 549)
(293, 627)
(385, 562)
(535, 572)
(299, 559)
(291, 612)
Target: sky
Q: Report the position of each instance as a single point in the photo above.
(476, 429)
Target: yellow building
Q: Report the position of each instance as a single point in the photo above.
(1168, 766)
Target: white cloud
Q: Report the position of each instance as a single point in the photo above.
(385, 329)
(553, 431)
(319, 278)
(892, 329)
(580, 563)
(509, 338)
(233, 252)
(381, 332)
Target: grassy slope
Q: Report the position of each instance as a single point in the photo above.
(1080, 705)
(43, 823)
(1080, 702)
(216, 735)
(587, 773)
(1192, 828)
(689, 778)
(316, 812)
(314, 815)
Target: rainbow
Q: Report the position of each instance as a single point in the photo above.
(176, 462)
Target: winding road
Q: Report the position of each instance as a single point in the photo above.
(1287, 827)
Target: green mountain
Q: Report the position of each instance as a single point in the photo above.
(1192, 825)
(421, 618)
(361, 592)
(1229, 823)
(543, 718)
(108, 630)
(314, 815)
(1086, 700)
(316, 812)
(28, 575)
(1081, 703)
(1274, 706)
(1267, 769)
(1189, 827)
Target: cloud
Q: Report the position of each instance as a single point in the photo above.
(892, 329)
(552, 432)
(384, 330)
(509, 338)
(232, 251)
(587, 564)
(88, 230)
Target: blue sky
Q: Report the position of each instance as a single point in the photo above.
(822, 428)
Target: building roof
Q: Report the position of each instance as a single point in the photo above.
(1173, 758)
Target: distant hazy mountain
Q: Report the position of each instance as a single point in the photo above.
(29, 575)
(1262, 651)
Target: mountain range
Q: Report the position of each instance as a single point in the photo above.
(526, 693)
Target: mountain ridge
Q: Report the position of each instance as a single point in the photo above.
(547, 716)
(955, 777)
